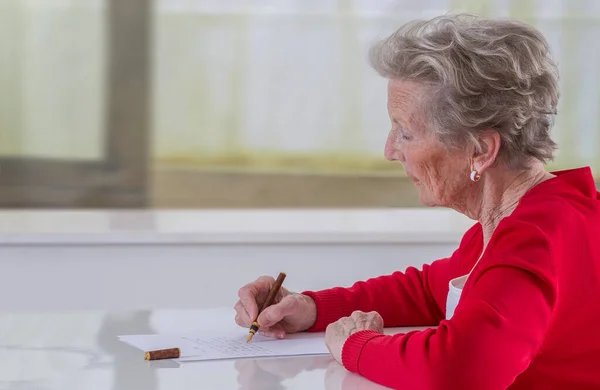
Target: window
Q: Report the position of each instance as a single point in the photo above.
(74, 113)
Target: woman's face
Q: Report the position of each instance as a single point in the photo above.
(441, 175)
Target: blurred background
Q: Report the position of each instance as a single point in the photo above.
(234, 103)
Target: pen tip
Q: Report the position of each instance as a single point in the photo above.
(248, 338)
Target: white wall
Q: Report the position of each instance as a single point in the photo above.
(185, 276)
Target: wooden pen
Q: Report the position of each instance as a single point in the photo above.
(268, 302)
(170, 353)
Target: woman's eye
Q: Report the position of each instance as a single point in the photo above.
(403, 134)
(400, 132)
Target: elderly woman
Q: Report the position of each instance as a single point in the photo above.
(517, 305)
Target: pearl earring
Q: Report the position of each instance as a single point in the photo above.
(475, 176)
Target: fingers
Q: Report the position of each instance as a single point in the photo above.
(357, 314)
(378, 321)
(371, 320)
(250, 297)
(242, 318)
(275, 331)
(360, 315)
(275, 313)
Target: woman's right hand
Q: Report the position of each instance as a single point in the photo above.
(290, 312)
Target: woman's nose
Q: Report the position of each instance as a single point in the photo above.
(393, 151)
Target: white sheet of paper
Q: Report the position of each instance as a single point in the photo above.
(232, 344)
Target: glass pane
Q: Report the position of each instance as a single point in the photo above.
(53, 77)
(249, 92)
(271, 86)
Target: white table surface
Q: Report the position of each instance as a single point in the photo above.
(80, 350)
(48, 348)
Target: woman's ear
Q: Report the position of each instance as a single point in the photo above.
(490, 142)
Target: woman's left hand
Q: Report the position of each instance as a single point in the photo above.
(338, 332)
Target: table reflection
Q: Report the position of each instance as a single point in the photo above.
(338, 378)
(129, 369)
(269, 373)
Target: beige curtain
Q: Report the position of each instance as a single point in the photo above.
(52, 78)
(284, 85)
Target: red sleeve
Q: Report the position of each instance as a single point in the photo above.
(496, 330)
(411, 298)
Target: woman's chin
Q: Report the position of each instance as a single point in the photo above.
(428, 203)
(425, 199)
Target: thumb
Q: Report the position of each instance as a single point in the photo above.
(269, 317)
(275, 313)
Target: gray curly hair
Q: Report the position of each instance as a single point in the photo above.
(479, 73)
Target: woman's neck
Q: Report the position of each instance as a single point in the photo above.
(499, 194)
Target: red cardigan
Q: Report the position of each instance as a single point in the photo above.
(529, 315)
